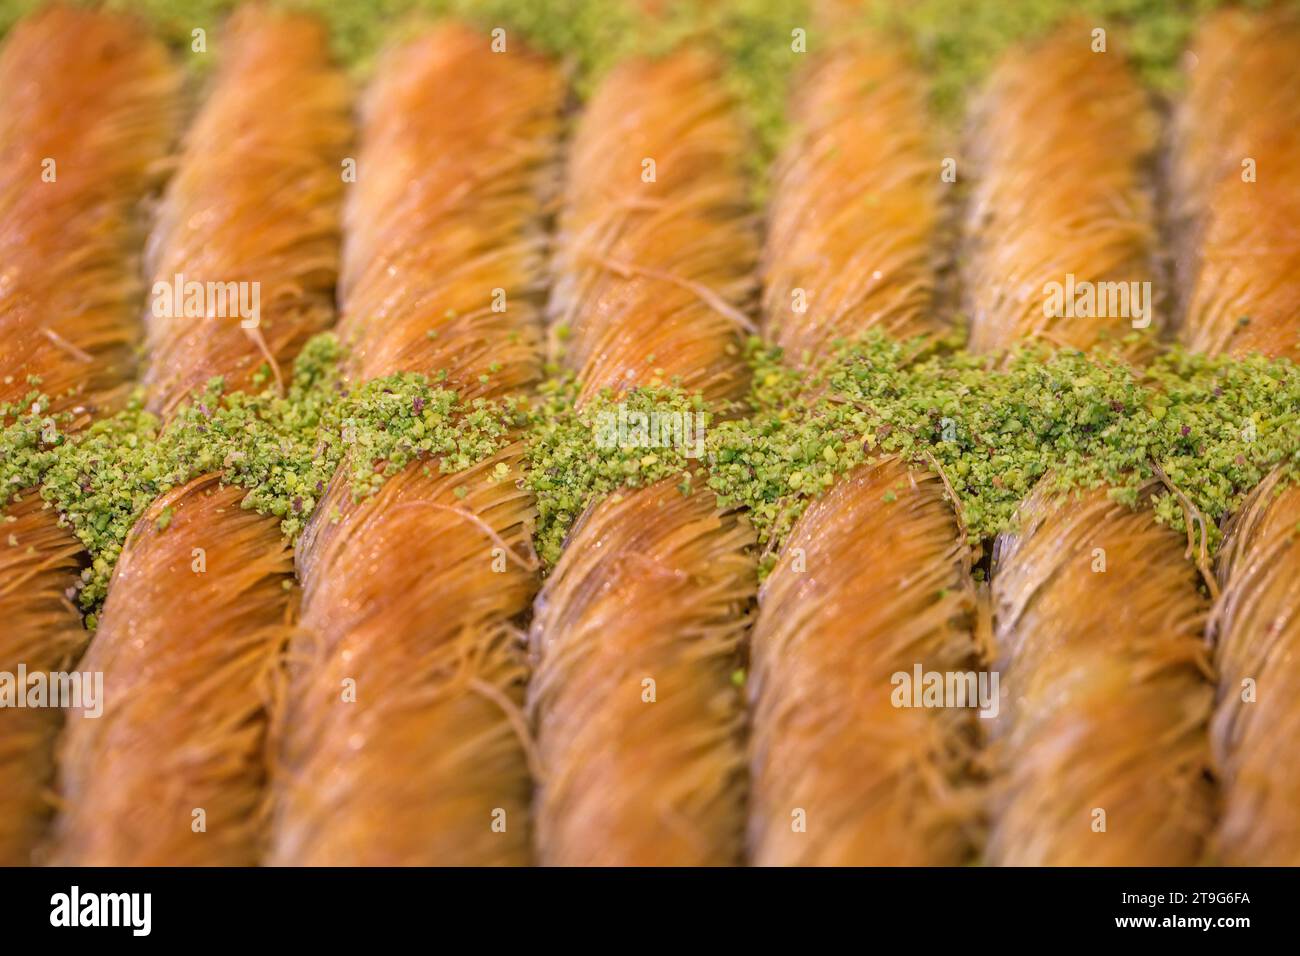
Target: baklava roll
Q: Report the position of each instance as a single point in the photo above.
(875, 576)
(637, 629)
(88, 109)
(174, 771)
(1099, 754)
(1238, 158)
(403, 741)
(1062, 212)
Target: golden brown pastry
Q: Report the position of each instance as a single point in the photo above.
(174, 771)
(1099, 753)
(1062, 140)
(875, 576)
(428, 763)
(855, 208)
(1243, 107)
(1237, 155)
(653, 276)
(88, 108)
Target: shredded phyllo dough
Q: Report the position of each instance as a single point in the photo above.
(88, 108)
(1237, 269)
(826, 731)
(653, 278)
(412, 591)
(960, 41)
(1113, 623)
(957, 41)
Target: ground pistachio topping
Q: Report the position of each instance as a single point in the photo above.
(579, 454)
(1206, 429)
(283, 448)
(959, 41)
(28, 435)
(1201, 431)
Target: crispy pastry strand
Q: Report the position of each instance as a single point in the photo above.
(1062, 141)
(1100, 749)
(1238, 156)
(855, 207)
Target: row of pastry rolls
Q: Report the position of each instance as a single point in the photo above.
(1238, 155)
(1099, 755)
(404, 740)
(174, 771)
(87, 112)
(875, 576)
(637, 629)
(407, 603)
